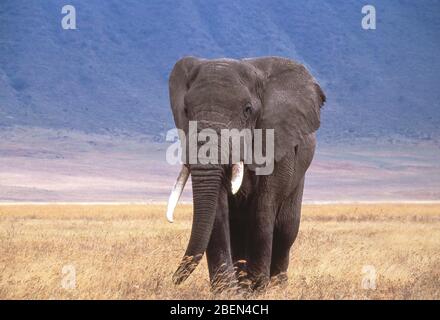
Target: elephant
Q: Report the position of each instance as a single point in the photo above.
(246, 233)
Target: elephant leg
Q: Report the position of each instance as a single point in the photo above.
(238, 240)
(218, 253)
(285, 232)
(239, 232)
(260, 243)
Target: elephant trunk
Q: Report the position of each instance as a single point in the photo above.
(206, 183)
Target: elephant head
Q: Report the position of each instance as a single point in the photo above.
(262, 93)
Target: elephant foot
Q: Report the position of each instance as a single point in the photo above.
(224, 284)
(242, 275)
(279, 280)
(241, 272)
(259, 282)
(235, 282)
(250, 281)
(224, 281)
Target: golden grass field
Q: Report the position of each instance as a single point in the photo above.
(131, 252)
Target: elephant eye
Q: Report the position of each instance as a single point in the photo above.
(247, 111)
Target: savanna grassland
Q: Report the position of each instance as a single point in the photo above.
(131, 252)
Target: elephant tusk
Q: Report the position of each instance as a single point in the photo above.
(237, 176)
(176, 192)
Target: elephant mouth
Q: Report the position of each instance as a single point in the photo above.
(182, 178)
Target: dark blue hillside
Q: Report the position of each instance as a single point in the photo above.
(111, 73)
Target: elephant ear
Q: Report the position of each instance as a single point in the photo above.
(291, 100)
(179, 81)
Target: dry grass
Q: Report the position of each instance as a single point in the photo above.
(131, 252)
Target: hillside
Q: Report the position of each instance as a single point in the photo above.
(79, 108)
(110, 75)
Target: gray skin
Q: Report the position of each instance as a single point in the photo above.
(253, 230)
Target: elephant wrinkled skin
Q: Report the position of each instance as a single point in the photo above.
(247, 236)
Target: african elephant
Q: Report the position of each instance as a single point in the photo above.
(253, 229)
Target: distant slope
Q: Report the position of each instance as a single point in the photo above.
(48, 165)
(111, 73)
